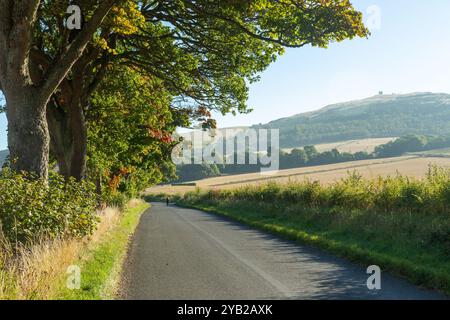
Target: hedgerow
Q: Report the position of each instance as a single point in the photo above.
(391, 194)
(31, 208)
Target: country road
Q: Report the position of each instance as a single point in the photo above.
(180, 253)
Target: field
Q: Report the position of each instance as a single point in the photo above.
(413, 166)
(351, 146)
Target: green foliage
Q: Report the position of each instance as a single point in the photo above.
(196, 172)
(411, 143)
(31, 208)
(129, 129)
(300, 157)
(209, 51)
(151, 67)
(205, 52)
(115, 198)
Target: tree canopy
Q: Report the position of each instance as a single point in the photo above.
(201, 54)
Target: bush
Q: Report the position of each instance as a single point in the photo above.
(32, 208)
(115, 199)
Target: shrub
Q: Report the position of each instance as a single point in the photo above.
(31, 208)
(115, 199)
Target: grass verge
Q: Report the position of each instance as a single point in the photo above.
(100, 263)
(328, 230)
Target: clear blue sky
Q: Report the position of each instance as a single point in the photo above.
(410, 52)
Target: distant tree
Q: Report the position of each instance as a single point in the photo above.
(4, 162)
(347, 156)
(192, 172)
(362, 155)
(311, 152)
(301, 157)
(409, 143)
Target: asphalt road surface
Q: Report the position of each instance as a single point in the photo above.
(180, 253)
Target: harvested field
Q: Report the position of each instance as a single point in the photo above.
(351, 146)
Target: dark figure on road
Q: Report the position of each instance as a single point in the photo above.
(167, 201)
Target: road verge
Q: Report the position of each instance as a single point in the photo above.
(101, 262)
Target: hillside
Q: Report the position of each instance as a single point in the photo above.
(375, 117)
(3, 155)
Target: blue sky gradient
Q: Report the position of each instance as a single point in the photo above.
(410, 52)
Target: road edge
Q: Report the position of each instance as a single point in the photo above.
(101, 266)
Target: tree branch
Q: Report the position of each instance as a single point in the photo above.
(74, 51)
(16, 22)
(18, 43)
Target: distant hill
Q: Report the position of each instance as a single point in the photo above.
(376, 117)
(3, 155)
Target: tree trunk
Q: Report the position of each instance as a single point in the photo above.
(79, 141)
(60, 137)
(68, 134)
(28, 135)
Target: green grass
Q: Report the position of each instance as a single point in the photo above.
(347, 234)
(101, 264)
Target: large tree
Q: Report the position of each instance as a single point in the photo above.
(205, 53)
(27, 96)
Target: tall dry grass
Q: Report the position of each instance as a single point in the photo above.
(394, 194)
(31, 272)
(34, 271)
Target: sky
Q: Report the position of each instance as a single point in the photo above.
(408, 51)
